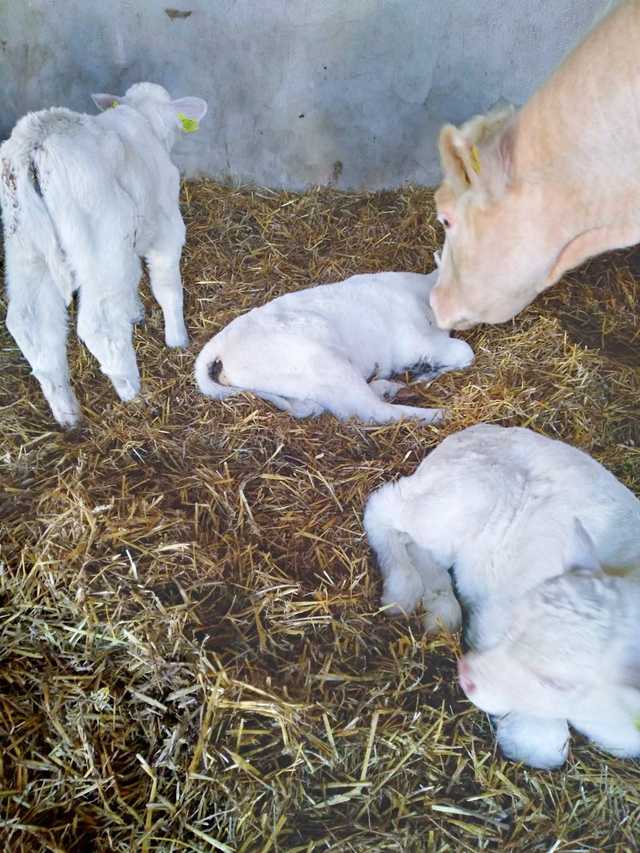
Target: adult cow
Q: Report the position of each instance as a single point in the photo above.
(528, 195)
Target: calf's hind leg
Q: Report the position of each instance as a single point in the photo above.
(402, 584)
(296, 408)
(385, 389)
(163, 261)
(108, 306)
(411, 572)
(37, 320)
(346, 394)
(442, 609)
(442, 356)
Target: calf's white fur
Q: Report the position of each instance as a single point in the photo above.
(333, 347)
(84, 198)
(531, 530)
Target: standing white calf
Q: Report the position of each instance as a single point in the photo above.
(332, 347)
(505, 510)
(83, 199)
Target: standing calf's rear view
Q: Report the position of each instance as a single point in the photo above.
(84, 198)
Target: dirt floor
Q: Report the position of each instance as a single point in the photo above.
(192, 655)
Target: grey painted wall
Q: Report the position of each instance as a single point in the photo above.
(349, 92)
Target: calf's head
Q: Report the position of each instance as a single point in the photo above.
(572, 649)
(168, 117)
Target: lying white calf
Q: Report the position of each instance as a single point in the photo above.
(83, 199)
(332, 347)
(554, 639)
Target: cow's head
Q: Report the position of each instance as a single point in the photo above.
(571, 651)
(498, 243)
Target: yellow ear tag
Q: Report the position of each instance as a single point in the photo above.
(475, 159)
(114, 104)
(189, 125)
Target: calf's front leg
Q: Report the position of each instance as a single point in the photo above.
(536, 741)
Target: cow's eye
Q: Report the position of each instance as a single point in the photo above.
(444, 221)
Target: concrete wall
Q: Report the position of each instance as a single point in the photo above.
(349, 92)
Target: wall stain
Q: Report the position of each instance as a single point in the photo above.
(175, 14)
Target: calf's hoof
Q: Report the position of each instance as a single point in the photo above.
(126, 388)
(177, 338)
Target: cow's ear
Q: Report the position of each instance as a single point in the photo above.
(460, 159)
(479, 154)
(503, 152)
(590, 243)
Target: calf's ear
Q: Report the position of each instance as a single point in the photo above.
(580, 554)
(188, 113)
(105, 102)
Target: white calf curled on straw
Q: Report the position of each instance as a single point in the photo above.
(533, 532)
(84, 198)
(332, 348)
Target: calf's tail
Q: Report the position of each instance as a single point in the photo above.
(209, 374)
(26, 216)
